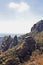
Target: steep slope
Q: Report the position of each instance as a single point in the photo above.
(18, 54)
(25, 53)
(37, 34)
(35, 59)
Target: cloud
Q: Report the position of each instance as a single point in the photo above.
(13, 5)
(20, 7)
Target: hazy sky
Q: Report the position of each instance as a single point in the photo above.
(18, 16)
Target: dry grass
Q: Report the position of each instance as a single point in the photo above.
(35, 59)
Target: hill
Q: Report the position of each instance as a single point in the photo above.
(19, 53)
(38, 27)
(28, 51)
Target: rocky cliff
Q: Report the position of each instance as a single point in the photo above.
(9, 42)
(38, 27)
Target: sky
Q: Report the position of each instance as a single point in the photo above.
(18, 16)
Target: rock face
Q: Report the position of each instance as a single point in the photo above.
(14, 42)
(38, 27)
(30, 43)
(9, 42)
(27, 48)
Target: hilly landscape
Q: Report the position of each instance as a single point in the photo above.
(26, 49)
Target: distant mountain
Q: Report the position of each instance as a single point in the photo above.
(5, 34)
(1, 39)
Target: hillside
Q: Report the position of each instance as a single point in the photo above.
(24, 50)
(19, 53)
(35, 59)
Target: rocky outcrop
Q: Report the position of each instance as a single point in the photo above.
(26, 50)
(30, 43)
(9, 42)
(38, 27)
(14, 41)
